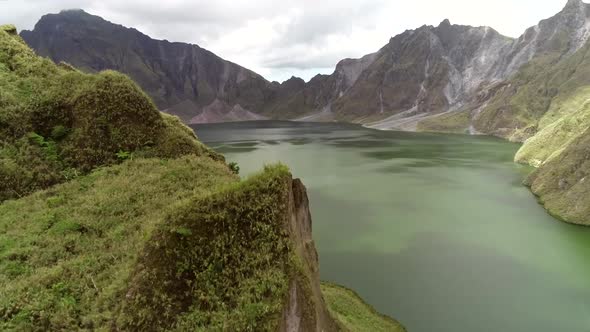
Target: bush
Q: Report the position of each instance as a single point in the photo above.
(234, 167)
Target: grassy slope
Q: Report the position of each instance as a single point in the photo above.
(546, 104)
(232, 261)
(566, 120)
(66, 253)
(555, 102)
(563, 183)
(148, 230)
(455, 122)
(353, 314)
(515, 110)
(57, 123)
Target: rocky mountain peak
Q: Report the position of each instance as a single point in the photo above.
(574, 10)
(445, 23)
(73, 11)
(574, 4)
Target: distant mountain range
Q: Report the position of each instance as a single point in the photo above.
(449, 78)
(444, 78)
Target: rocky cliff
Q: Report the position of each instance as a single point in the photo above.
(182, 79)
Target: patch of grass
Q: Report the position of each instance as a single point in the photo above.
(67, 253)
(567, 119)
(563, 183)
(455, 123)
(353, 314)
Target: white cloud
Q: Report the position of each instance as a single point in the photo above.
(279, 39)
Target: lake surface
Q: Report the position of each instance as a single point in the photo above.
(434, 230)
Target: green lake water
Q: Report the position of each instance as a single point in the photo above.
(434, 230)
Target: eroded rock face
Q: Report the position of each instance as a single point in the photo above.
(514, 110)
(305, 309)
(419, 74)
(428, 70)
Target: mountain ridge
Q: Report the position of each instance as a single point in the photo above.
(384, 90)
(445, 78)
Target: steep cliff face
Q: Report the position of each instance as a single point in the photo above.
(186, 80)
(425, 71)
(305, 309)
(454, 78)
(312, 101)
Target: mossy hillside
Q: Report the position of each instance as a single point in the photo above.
(567, 119)
(229, 254)
(67, 253)
(563, 183)
(353, 314)
(567, 115)
(515, 109)
(233, 261)
(57, 123)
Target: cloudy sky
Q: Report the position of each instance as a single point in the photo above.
(281, 38)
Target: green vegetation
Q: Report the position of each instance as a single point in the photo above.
(534, 97)
(188, 247)
(66, 253)
(234, 167)
(352, 314)
(567, 119)
(454, 122)
(563, 183)
(57, 123)
(231, 261)
(113, 216)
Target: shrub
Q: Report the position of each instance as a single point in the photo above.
(234, 167)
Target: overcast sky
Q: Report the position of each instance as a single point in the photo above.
(281, 38)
